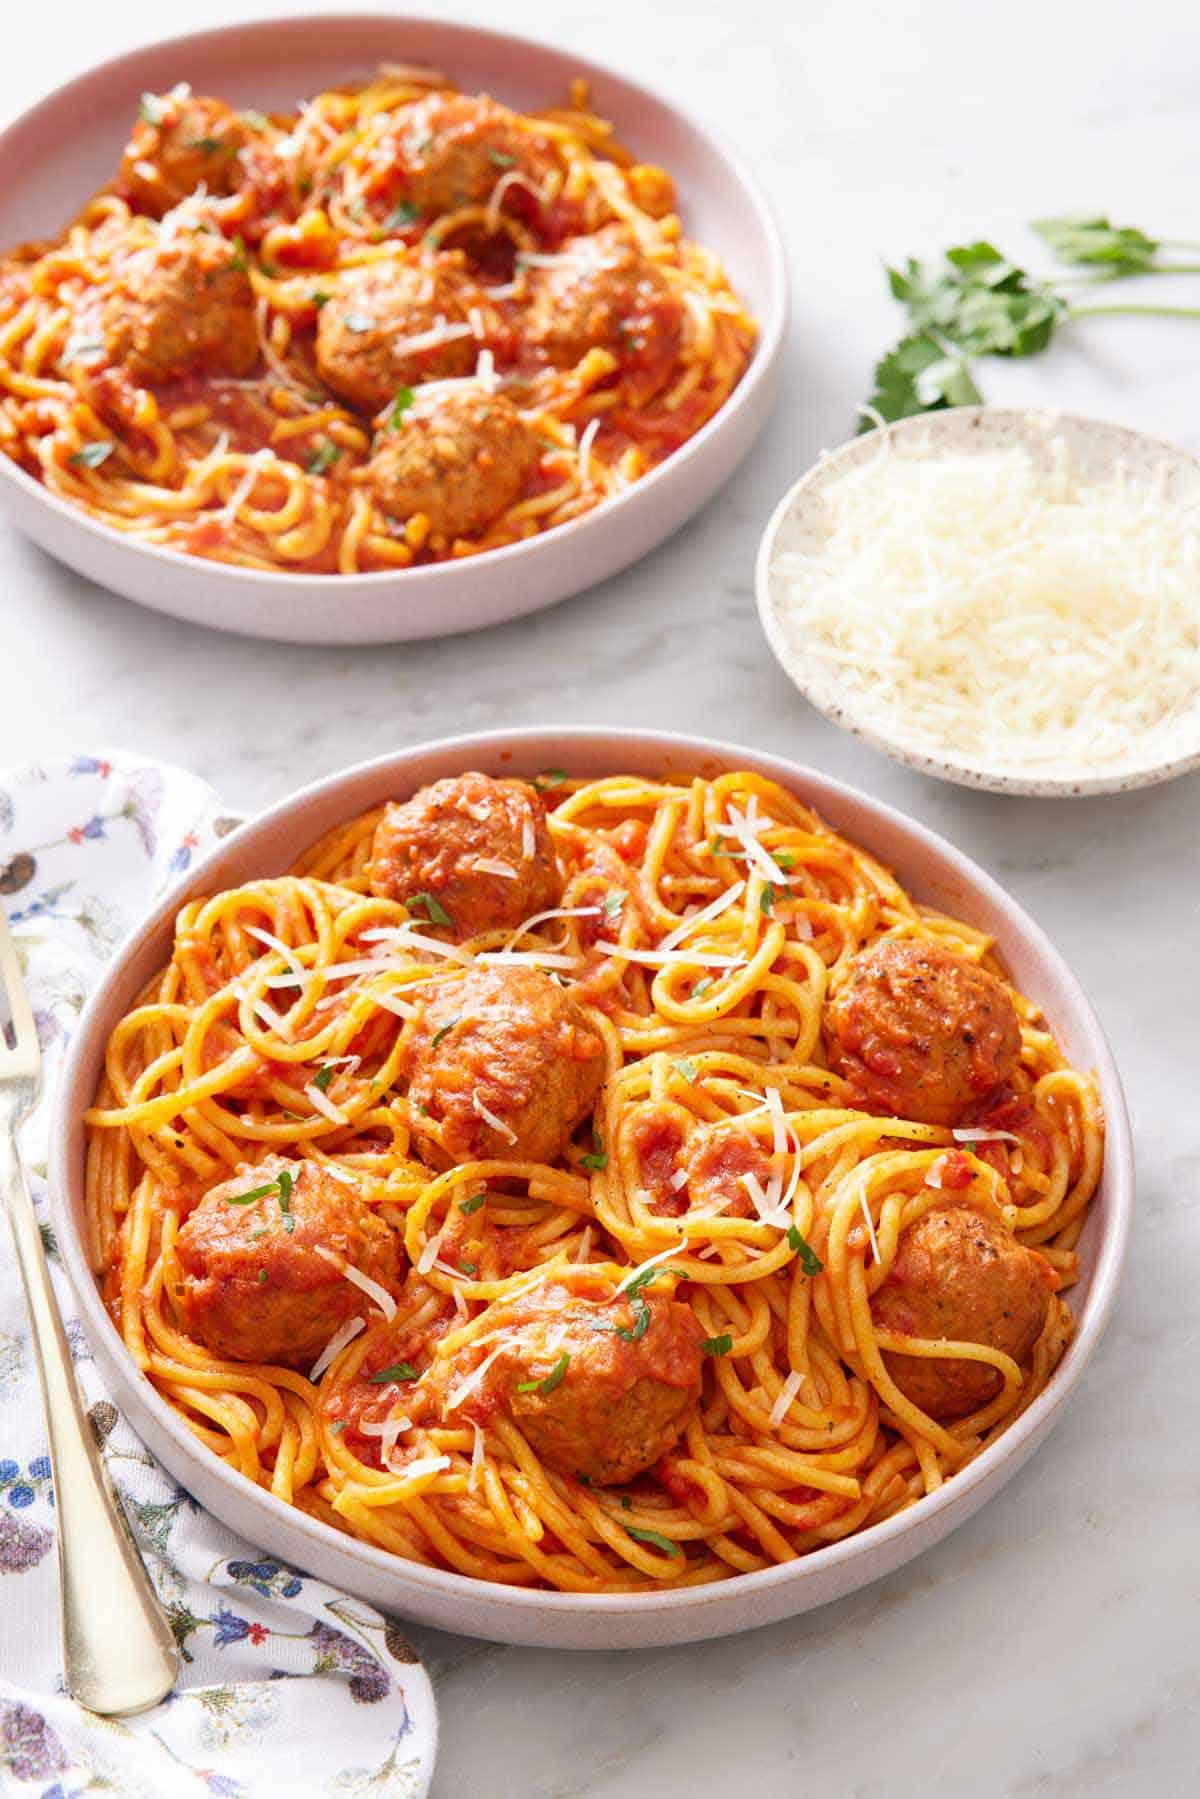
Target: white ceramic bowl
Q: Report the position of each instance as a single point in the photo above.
(800, 525)
(928, 865)
(57, 154)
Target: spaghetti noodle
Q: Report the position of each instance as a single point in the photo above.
(401, 325)
(683, 1347)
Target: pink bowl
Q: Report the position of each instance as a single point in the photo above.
(63, 149)
(929, 866)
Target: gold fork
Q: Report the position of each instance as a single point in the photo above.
(119, 1655)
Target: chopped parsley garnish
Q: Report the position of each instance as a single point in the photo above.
(550, 777)
(319, 297)
(614, 904)
(206, 145)
(717, 846)
(397, 1371)
(597, 1158)
(766, 899)
(404, 214)
(400, 405)
(444, 1029)
(321, 1081)
(656, 1538)
(323, 459)
(359, 322)
(500, 159)
(150, 109)
(718, 1345)
(77, 351)
(467, 1206)
(285, 1200)
(245, 1199)
(92, 455)
(626, 1503)
(644, 1278)
(552, 1380)
(262, 1276)
(431, 906)
(810, 1261)
(686, 1069)
(469, 1267)
(786, 859)
(641, 1321)
(238, 261)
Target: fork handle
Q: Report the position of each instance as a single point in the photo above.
(118, 1651)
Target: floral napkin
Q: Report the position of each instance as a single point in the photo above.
(288, 1687)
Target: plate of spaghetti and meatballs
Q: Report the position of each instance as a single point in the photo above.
(376, 335)
(558, 1182)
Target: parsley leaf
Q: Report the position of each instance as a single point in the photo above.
(93, 454)
(614, 903)
(467, 1206)
(501, 160)
(320, 298)
(919, 375)
(397, 1371)
(404, 214)
(431, 906)
(718, 1345)
(655, 1538)
(321, 1081)
(645, 1277)
(597, 1159)
(766, 899)
(1085, 242)
(443, 1029)
(323, 459)
(810, 1261)
(400, 405)
(552, 1380)
(641, 1321)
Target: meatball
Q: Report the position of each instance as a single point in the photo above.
(183, 304)
(458, 459)
(605, 1405)
(365, 329)
(181, 142)
(480, 847)
(510, 1043)
(452, 149)
(921, 1033)
(606, 295)
(962, 1276)
(256, 1286)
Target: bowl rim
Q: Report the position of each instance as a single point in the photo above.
(86, 1050)
(772, 320)
(821, 690)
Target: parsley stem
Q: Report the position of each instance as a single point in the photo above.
(1158, 312)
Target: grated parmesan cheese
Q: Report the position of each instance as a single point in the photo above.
(787, 1393)
(1002, 607)
(345, 1334)
(363, 1282)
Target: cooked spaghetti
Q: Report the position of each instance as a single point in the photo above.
(401, 325)
(598, 1186)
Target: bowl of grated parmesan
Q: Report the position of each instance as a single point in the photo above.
(1006, 599)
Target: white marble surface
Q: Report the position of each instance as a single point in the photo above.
(1050, 1646)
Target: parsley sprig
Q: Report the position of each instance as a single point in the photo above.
(976, 302)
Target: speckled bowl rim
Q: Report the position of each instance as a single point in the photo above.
(518, 1614)
(583, 551)
(819, 685)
